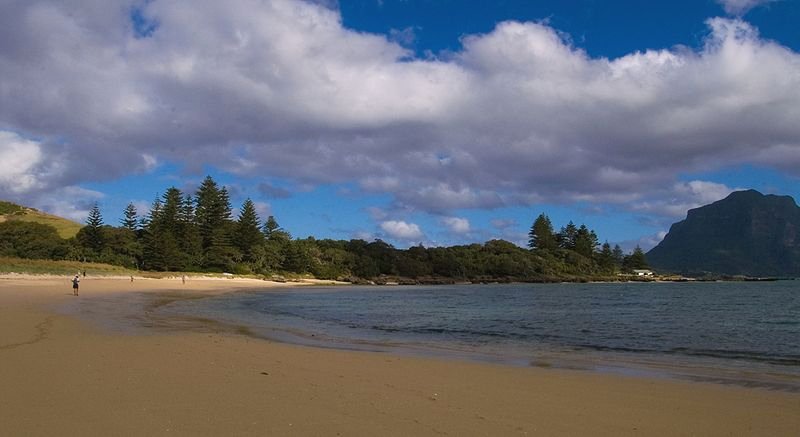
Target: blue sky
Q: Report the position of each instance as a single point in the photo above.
(609, 28)
(416, 121)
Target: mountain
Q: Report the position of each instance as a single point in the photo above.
(747, 233)
(11, 211)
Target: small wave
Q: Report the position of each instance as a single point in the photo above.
(783, 360)
(759, 357)
(451, 331)
(781, 322)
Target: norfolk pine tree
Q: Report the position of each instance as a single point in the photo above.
(247, 236)
(636, 260)
(213, 217)
(129, 239)
(585, 241)
(130, 220)
(91, 235)
(541, 236)
(161, 240)
(566, 238)
(276, 245)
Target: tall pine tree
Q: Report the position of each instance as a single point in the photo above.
(605, 259)
(130, 247)
(618, 255)
(585, 241)
(130, 220)
(161, 249)
(636, 260)
(567, 236)
(274, 232)
(276, 247)
(189, 239)
(248, 237)
(541, 236)
(212, 214)
(91, 236)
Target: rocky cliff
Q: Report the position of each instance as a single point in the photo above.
(747, 233)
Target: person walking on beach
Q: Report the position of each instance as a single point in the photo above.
(75, 281)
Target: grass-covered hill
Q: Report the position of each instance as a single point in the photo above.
(11, 211)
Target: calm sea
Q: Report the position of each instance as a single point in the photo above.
(743, 332)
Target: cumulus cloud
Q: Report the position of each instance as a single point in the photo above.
(70, 202)
(281, 89)
(683, 196)
(456, 225)
(376, 213)
(502, 223)
(405, 37)
(263, 210)
(363, 235)
(401, 230)
(645, 243)
(741, 7)
(19, 159)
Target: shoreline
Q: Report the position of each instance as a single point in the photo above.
(70, 377)
(654, 364)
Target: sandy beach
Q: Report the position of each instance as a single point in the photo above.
(63, 376)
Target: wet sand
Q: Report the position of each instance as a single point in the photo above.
(64, 376)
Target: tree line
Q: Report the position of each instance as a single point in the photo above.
(182, 232)
(583, 241)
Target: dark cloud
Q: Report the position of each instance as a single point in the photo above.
(273, 192)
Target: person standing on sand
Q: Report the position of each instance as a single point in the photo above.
(75, 281)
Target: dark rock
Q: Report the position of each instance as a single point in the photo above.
(747, 233)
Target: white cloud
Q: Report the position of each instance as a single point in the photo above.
(280, 89)
(502, 224)
(263, 210)
(19, 159)
(645, 243)
(401, 230)
(683, 196)
(142, 207)
(376, 213)
(363, 235)
(741, 7)
(405, 37)
(456, 225)
(71, 202)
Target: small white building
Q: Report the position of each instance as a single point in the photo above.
(643, 272)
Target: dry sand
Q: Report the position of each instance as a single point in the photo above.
(63, 376)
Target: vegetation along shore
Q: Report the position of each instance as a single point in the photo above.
(198, 233)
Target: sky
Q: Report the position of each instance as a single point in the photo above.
(438, 122)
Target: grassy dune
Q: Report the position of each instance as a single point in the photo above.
(47, 267)
(66, 228)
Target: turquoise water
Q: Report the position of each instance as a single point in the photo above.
(714, 331)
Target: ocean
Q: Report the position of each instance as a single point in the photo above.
(730, 332)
